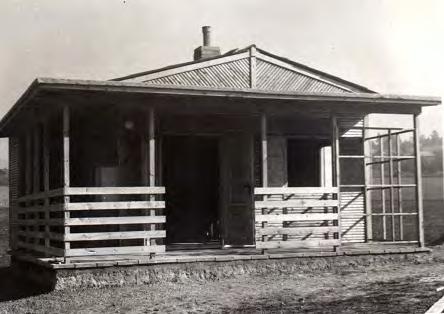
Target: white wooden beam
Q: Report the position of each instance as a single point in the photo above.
(253, 72)
(66, 174)
(418, 175)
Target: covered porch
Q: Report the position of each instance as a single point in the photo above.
(111, 172)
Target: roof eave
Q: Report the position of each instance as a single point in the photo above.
(131, 87)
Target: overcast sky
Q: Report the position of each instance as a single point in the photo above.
(388, 46)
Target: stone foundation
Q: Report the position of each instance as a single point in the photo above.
(97, 277)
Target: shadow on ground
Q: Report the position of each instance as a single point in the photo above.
(13, 287)
(408, 296)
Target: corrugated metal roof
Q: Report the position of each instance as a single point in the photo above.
(239, 67)
(233, 74)
(273, 77)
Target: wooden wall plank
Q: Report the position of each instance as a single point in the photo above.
(295, 190)
(93, 236)
(123, 220)
(305, 244)
(115, 205)
(295, 217)
(115, 190)
(300, 203)
(115, 250)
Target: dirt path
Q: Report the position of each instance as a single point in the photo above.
(406, 288)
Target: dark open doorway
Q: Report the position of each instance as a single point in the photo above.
(304, 161)
(191, 178)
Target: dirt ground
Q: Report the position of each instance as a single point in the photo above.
(397, 288)
(401, 288)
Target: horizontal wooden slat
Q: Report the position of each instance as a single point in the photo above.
(300, 244)
(115, 235)
(115, 250)
(296, 203)
(127, 220)
(115, 190)
(295, 190)
(295, 231)
(295, 217)
(115, 205)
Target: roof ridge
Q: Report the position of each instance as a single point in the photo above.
(308, 68)
(297, 65)
(178, 65)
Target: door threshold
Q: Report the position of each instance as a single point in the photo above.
(238, 246)
(193, 246)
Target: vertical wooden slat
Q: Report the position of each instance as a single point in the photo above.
(14, 186)
(28, 164)
(400, 210)
(253, 76)
(418, 175)
(392, 192)
(46, 165)
(28, 179)
(382, 173)
(36, 160)
(336, 168)
(66, 162)
(35, 174)
(367, 178)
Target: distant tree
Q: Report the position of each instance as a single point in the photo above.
(432, 158)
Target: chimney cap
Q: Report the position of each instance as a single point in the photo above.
(206, 30)
(206, 50)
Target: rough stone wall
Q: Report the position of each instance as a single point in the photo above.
(203, 271)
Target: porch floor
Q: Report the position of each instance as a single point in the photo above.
(217, 255)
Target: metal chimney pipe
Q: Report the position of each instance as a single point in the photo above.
(206, 30)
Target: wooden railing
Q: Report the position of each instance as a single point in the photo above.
(296, 218)
(85, 221)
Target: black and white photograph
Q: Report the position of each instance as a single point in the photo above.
(221, 156)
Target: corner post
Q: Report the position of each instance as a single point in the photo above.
(418, 177)
(367, 199)
(152, 164)
(66, 176)
(264, 143)
(336, 170)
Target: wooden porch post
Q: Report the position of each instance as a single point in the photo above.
(149, 162)
(418, 175)
(66, 175)
(264, 165)
(336, 168)
(152, 148)
(264, 150)
(367, 174)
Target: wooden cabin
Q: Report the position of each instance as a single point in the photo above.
(244, 149)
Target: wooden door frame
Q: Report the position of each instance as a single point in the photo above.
(225, 195)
